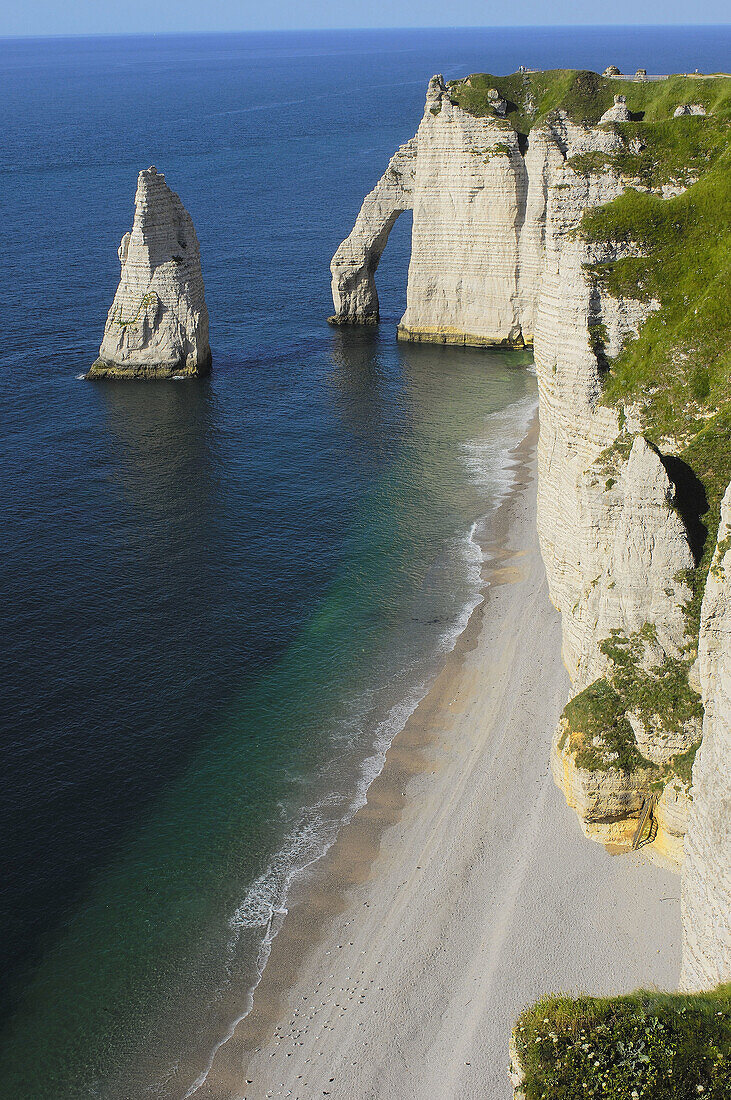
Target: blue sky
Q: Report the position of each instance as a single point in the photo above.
(40, 17)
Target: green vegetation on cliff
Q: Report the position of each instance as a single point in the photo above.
(677, 372)
(645, 1046)
(661, 695)
(584, 96)
(598, 731)
(596, 725)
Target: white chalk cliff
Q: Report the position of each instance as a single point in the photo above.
(706, 894)
(355, 262)
(496, 259)
(157, 326)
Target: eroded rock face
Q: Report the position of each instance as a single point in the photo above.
(618, 113)
(706, 894)
(689, 109)
(497, 259)
(476, 252)
(354, 264)
(469, 202)
(608, 801)
(157, 326)
(634, 544)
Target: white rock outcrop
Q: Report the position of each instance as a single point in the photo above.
(465, 180)
(689, 109)
(617, 113)
(354, 264)
(157, 326)
(706, 892)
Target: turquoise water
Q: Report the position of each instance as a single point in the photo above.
(223, 598)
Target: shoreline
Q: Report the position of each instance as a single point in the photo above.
(320, 1022)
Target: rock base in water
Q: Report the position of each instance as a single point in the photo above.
(454, 336)
(152, 372)
(157, 326)
(340, 319)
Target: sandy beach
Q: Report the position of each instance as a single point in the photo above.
(464, 889)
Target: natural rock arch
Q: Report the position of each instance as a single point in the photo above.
(354, 264)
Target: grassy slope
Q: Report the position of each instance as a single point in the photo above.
(583, 95)
(645, 1046)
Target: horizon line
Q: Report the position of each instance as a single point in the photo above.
(351, 30)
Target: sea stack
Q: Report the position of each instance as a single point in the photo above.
(157, 326)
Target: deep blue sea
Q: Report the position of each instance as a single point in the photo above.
(219, 600)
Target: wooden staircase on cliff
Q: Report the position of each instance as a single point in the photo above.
(648, 805)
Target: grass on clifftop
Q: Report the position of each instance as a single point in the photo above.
(585, 96)
(645, 1046)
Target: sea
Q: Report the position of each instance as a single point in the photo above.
(220, 600)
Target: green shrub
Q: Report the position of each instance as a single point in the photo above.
(644, 1046)
(599, 734)
(661, 695)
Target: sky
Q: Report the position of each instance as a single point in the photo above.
(51, 17)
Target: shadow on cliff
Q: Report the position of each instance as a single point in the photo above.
(690, 500)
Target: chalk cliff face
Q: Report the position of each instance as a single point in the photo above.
(157, 326)
(465, 181)
(354, 264)
(706, 894)
(469, 201)
(498, 258)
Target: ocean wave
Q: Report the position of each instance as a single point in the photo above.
(489, 459)
(265, 902)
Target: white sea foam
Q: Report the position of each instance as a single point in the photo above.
(488, 459)
(264, 905)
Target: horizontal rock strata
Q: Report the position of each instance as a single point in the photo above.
(499, 257)
(706, 893)
(157, 326)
